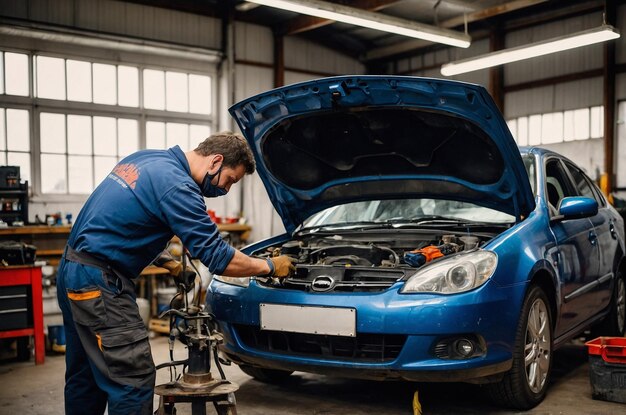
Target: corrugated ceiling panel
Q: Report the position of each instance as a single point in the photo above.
(302, 54)
(14, 8)
(120, 18)
(59, 12)
(561, 63)
(254, 43)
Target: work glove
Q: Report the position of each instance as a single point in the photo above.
(167, 261)
(280, 266)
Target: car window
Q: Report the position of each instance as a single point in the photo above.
(557, 184)
(583, 184)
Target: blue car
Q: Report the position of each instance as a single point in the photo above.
(427, 245)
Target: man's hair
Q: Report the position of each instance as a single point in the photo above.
(232, 146)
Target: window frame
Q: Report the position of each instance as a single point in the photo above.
(569, 190)
(36, 105)
(517, 122)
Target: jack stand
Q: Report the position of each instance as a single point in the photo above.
(197, 330)
(197, 385)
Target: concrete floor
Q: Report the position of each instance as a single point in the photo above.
(27, 389)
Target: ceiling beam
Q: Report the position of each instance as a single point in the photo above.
(305, 23)
(410, 45)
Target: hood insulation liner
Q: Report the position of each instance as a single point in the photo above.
(308, 151)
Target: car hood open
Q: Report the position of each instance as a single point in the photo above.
(335, 140)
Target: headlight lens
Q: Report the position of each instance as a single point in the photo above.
(456, 274)
(240, 282)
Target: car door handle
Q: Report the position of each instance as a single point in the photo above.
(612, 229)
(593, 238)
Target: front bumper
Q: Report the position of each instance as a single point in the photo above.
(423, 319)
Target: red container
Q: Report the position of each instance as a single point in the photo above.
(611, 349)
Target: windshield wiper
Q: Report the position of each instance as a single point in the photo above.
(344, 225)
(445, 221)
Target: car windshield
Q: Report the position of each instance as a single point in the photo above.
(405, 210)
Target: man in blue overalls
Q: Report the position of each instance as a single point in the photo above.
(149, 197)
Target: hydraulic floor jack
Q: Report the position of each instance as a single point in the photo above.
(197, 330)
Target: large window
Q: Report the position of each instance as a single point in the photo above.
(558, 127)
(15, 140)
(88, 146)
(87, 115)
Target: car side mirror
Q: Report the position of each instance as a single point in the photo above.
(576, 207)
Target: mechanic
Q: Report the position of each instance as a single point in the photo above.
(149, 197)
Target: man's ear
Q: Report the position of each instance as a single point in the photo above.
(217, 159)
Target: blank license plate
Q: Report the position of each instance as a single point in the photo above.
(332, 321)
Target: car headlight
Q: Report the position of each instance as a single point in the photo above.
(456, 274)
(238, 281)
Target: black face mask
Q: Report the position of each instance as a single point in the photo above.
(210, 190)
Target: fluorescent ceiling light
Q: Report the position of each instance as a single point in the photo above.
(559, 44)
(370, 20)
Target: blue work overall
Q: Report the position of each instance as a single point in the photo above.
(126, 222)
(107, 349)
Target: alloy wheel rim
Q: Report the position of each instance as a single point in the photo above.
(537, 347)
(621, 304)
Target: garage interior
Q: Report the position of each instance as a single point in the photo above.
(151, 74)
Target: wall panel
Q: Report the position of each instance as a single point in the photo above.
(305, 55)
(620, 44)
(121, 18)
(254, 43)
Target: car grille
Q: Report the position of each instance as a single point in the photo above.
(346, 279)
(362, 348)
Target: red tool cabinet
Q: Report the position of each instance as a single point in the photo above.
(21, 306)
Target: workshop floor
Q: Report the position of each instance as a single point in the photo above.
(27, 389)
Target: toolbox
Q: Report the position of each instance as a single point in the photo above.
(14, 308)
(607, 368)
(17, 253)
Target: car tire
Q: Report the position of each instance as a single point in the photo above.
(524, 385)
(266, 375)
(615, 322)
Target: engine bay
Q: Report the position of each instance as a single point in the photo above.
(364, 261)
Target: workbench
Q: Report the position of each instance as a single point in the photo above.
(24, 276)
(50, 240)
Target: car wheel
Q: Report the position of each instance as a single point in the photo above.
(265, 375)
(615, 322)
(524, 385)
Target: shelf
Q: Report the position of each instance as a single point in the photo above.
(13, 192)
(50, 252)
(32, 230)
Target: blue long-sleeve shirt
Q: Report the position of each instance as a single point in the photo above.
(149, 197)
